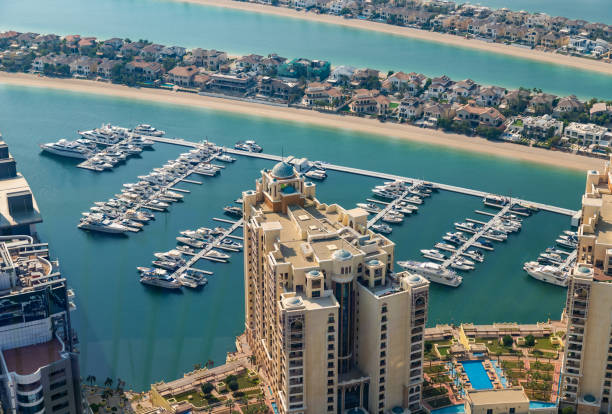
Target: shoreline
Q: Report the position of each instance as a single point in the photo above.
(294, 115)
(444, 38)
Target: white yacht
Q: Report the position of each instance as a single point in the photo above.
(224, 158)
(433, 272)
(146, 129)
(316, 174)
(382, 228)
(67, 148)
(547, 273)
(214, 254)
(158, 280)
(97, 222)
(369, 207)
(433, 253)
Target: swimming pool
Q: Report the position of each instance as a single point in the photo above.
(477, 375)
(540, 404)
(453, 409)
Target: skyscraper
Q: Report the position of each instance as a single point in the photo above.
(587, 365)
(330, 324)
(39, 370)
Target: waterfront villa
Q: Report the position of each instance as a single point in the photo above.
(478, 115)
(587, 134)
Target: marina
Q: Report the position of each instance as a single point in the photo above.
(105, 147)
(154, 192)
(172, 271)
(384, 176)
(143, 323)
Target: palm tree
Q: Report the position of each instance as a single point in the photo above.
(209, 364)
(197, 366)
(230, 404)
(252, 359)
(108, 382)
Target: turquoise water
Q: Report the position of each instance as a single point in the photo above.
(142, 335)
(540, 404)
(241, 32)
(477, 375)
(590, 10)
(453, 409)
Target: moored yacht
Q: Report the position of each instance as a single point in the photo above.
(547, 273)
(67, 148)
(433, 272)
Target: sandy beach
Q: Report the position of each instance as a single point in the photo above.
(294, 115)
(457, 41)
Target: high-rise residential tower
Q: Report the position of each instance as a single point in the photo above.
(39, 370)
(330, 324)
(587, 365)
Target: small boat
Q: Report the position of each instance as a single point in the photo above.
(445, 246)
(433, 253)
(382, 228)
(316, 174)
(232, 211)
(216, 255)
(461, 265)
(230, 244)
(392, 218)
(369, 207)
(191, 242)
(474, 255)
(224, 158)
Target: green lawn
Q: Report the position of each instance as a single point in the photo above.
(507, 365)
(435, 369)
(196, 399)
(494, 346)
(542, 366)
(393, 105)
(429, 392)
(439, 402)
(255, 409)
(544, 344)
(443, 350)
(244, 381)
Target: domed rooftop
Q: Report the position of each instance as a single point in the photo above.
(415, 278)
(342, 254)
(314, 273)
(283, 170)
(374, 262)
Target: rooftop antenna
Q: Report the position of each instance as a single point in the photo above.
(282, 153)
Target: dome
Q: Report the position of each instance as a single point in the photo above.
(314, 273)
(283, 170)
(342, 255)
(374, 262)
(415, 278)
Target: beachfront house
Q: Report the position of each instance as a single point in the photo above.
(369, 102)
(479, 115)
(568, 104)
(536, 127)
(410, 108)
(181, 75)
(147, 71)
(490, 96)
(587, 134)
(322, 94)
(305, 68)
(278, 88)
(231, 84)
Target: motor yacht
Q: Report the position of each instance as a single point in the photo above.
(547, 273)
(432, 272)
(67, 148)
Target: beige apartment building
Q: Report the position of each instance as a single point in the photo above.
(587, 365)
(330, 324)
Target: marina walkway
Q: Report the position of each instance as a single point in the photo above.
(375, 174)
(194, 259)
(461, 249)
(387, 208)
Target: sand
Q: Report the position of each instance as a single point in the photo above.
(294, 115)
(453, 40)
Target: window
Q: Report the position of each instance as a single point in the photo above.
(59, 395)
(512, 410)
(490, 411)
(60, 406)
